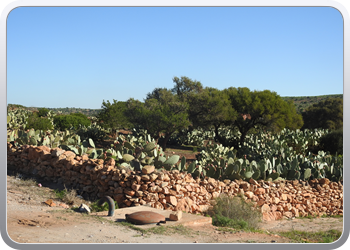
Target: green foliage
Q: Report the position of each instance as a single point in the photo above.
(163, 114)
(60, 194)
(312, 237)
(64, 122)
(269, 156)
(43, 112)
(327, 114)
(39, 123)
(17, 118)
(113, 115)
(234, 211)
(222, 221)
(332, 142)
(93, 131)
(303, 102)
(262, 109)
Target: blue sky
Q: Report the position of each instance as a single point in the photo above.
(80, 56)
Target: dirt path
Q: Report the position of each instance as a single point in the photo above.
(29, 220)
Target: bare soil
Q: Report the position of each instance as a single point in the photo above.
(31, 220)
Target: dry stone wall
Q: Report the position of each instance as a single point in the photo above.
(174, 190)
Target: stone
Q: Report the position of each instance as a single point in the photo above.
(145, 177)
(110, 162)
(265, 208)
(63, 205)
(171, 199)
(324, 181)
(182, 206)
(84, 208)
(275, 200)
(158, 205)
(153, 177)
(175, 216)
(249, 194)
(254, 182)
(259, 191)
(129, 191)
(283, 197)
(50, 203)
(147, 169)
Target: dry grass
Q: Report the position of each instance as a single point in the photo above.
(234, 212)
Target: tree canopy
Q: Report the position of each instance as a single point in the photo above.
(189, 105)
(113, 115)
(262, 109)
(161, 114)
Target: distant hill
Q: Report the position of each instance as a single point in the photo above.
(301, 103)
(65, 111)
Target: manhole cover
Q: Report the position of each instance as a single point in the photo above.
(145, 217)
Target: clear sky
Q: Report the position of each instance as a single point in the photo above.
(80, 56)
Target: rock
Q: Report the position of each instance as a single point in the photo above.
(63, 205)
(145, 177)
(175, 216)
(249, 194)
(110, 162)
(148, 169)
(171, 200)
(324, 181)
(245, 186)
(50, 203)
(182, 206)
(84, 208)
(259, 191)
(265, 208)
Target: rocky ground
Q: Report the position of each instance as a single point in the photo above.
(31, 220)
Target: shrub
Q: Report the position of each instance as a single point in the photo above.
(42, 112)
(63, 122)
(332, 142)
(234, 212)
(222, 221)
(39, 123)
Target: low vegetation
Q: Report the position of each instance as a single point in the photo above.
(312, 237)
(234, 212)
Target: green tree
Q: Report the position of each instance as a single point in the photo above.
(42, 112)
(113, 115)
(185, 87)
(327, 114)
(211, 108)
(73, 120)
(161, 114)
(39, 123)
(262, 109)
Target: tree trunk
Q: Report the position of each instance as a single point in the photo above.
(165, 140)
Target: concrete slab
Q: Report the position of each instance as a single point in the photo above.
(186, 220)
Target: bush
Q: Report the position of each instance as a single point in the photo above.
(332, 142)
(42, 112)
(222, 221)
(63, 122)
(39, 123)
(234, 212)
